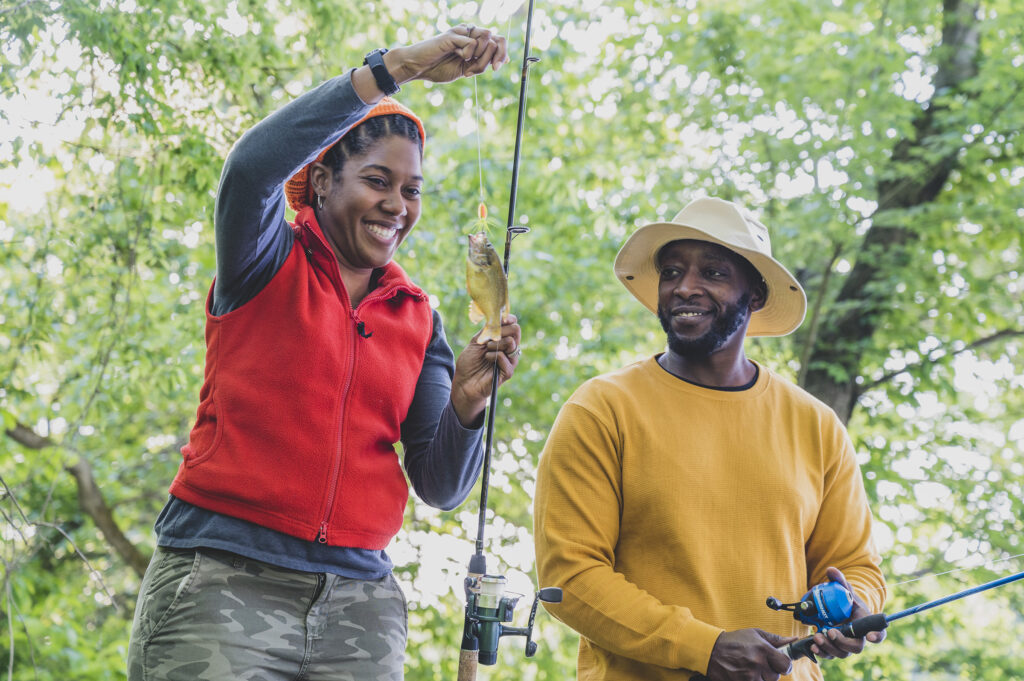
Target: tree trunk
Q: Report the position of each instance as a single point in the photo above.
(835, 361)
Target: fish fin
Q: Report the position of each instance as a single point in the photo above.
(476, 315)
(491, 331)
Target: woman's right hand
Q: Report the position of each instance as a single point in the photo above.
(464, 50)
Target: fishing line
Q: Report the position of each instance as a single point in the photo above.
(479, 146)
(481, 210)
(947, 572)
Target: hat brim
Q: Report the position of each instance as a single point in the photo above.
(635, 267)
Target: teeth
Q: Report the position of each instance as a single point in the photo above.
(688, 314)
(381, 231)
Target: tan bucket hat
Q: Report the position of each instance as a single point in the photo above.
(726, 224)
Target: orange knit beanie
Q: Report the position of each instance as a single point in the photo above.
(298, 191)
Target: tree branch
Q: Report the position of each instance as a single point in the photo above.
(95, 573)
(27, 437)
(942, 353)
(90, 499)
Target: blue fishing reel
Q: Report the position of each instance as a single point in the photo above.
(825, 606)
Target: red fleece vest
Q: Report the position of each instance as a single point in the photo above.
(299, 411)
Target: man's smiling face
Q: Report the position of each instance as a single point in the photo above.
(706, 294)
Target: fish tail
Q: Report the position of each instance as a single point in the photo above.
(491, 331)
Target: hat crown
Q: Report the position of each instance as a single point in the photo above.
(727, 222)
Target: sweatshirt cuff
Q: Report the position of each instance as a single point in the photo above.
(870, 597)
(700, 638)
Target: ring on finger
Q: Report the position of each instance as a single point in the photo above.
(515, 353)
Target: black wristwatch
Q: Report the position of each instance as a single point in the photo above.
(385, 81)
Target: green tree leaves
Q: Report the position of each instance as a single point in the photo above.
(873, 138)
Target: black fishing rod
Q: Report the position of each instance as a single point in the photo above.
(877, 622)
(488, 607)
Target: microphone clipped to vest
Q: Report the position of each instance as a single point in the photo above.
(361, 329)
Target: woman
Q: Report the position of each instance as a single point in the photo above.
(321, 353)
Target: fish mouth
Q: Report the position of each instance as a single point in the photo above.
(480, 251)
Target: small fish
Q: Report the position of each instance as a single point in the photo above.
(487, 286)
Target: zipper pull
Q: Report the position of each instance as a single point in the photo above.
(322, 535)
(360, 325)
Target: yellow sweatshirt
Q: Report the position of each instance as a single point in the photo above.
(668, 513)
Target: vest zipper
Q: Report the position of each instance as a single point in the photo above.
(335, 276)
(336, 471)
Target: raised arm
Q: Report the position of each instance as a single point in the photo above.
(252, 235)
(251, 232)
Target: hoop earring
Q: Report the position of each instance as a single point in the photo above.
(320, 201)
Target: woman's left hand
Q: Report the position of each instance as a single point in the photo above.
(474, 370)
(461, 51)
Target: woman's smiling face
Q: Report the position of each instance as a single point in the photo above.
(372, 204)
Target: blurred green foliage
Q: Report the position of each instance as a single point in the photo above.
(117, 115)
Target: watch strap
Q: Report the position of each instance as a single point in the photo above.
(385, 81)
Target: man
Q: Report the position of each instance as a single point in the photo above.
(676, 494)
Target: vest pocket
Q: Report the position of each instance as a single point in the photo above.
(205, 435)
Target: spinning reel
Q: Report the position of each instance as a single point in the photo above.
(826, 606)
(489, 607)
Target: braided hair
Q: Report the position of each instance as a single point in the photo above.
(359, 139)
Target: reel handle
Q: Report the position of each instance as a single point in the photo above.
(855, 629)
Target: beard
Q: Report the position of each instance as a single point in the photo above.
(724, 326)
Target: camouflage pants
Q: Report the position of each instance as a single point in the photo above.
(214, 615)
